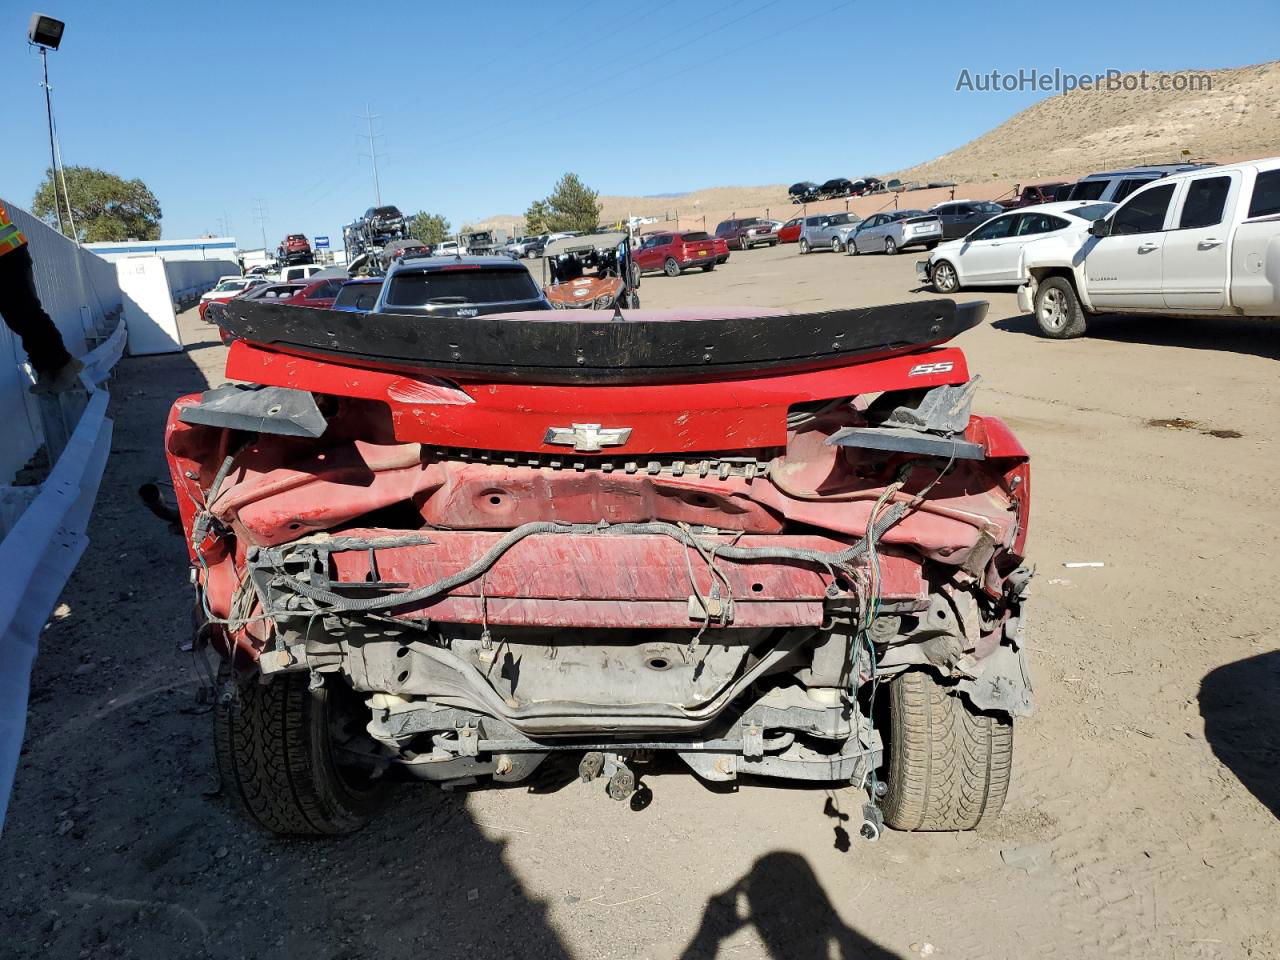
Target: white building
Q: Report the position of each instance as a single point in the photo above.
(204, 248)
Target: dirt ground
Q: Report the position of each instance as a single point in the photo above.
(1142, 821)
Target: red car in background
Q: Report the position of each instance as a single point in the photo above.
(227, 290)
(789, 232)
(673, 252)
(299, 293)
(295, 249)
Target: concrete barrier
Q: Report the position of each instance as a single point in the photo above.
(43, 528)
(190, 278)
(80, 292)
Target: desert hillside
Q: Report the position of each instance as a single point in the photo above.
(1083, 131)
(1062, 136)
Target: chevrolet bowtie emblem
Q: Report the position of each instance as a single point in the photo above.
(587, 437)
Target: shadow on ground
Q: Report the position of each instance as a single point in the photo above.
(1258, 336)
(1239, 703)
(118, 843)
(782, 900)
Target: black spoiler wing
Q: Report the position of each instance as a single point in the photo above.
(587, 346)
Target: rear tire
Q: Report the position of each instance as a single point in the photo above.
(948, 765)
(1058, 311)
(274, 744)
(671, 267)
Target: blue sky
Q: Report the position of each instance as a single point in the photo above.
(483, 106)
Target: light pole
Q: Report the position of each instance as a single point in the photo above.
(45, 33)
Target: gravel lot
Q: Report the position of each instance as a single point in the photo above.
(1142, 821)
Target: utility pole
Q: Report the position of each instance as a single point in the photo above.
(260, 215)
(373, 154)
(53, 154)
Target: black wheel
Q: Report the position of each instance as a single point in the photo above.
(804, 245)
(277, 746)
(708, 267)
(944, 277)
(1058, 311)
(948, 766)
(890, 246)
(671, 267)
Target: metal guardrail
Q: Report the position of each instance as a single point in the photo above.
(42, 549)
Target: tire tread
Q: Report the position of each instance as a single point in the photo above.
(949, 766)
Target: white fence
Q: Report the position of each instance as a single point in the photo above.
(80, 292)
(190, 278)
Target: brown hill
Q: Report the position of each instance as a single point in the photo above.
(1235, 115)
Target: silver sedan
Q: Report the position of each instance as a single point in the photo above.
(895, 230)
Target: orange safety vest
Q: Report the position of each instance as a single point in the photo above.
(11, 237)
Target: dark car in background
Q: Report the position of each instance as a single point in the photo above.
(1032, 194)
(299, 293)
(383, 223)
(806, 191)
(459, 287)
(747, 232)
(835, 188)
(358, 295)
(959, 217)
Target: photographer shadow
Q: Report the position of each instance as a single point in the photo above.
(793, 917)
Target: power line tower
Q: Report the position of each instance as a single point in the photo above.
(373, 153)
(260, 215)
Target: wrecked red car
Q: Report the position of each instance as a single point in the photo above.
(770, 545)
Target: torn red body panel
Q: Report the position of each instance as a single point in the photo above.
(712, 561)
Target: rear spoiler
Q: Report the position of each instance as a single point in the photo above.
(639, 346)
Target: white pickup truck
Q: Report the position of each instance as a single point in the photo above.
(1201, 243)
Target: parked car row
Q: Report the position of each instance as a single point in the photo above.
(989, 254)
(534, 246)
(226, 289)
(806, 191)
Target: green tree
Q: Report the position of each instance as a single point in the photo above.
(536, 218)
(429, 227)
(105, 206)
(572, 205)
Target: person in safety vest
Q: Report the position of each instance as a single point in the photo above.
(24, 315)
